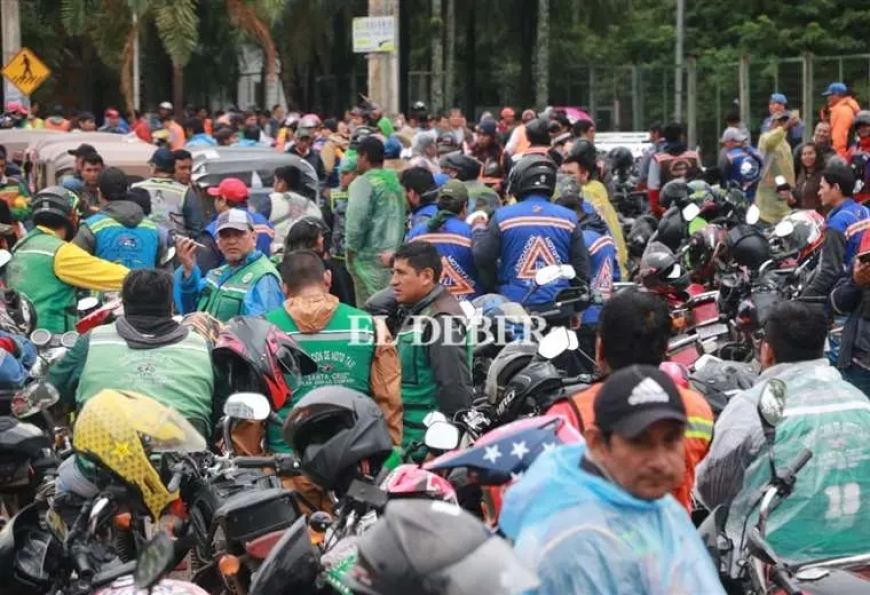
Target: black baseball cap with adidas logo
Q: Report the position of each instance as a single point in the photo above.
(634, 398)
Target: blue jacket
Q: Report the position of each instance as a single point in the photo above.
(603, 270)
(136, 245)
(744, 167)
(14, 370)
(200, 140)
(263, 297)
(265, 235)
(421, 215)
(847, 225)
(525, 237)
(582, 534)
(453, 242)
(73, 182)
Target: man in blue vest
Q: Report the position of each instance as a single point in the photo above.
(527, 236)
(420, 191)
(847, 223)
(119, 232)
(739, 162)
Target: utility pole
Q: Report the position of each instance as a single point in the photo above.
(678, 70)
(384, 66)
(10, 22)
(137, 87)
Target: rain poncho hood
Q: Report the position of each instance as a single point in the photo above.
(824, 517)
(583, 534)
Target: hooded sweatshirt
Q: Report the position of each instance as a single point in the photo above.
(126, 212)
(842, 115)
(581, 533)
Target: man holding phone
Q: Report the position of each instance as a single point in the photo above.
(847, 223)
(778, 163)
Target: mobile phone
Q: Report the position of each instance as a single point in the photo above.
(781, 183)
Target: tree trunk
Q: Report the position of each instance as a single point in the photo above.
(450, 67)
(471, 95)
(527, 15)
(542, 41)
(437, 93)
(178, 89)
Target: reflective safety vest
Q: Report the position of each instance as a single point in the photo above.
(534, 233)
(745, 165)
(31, 272)
(419, 389)
(167, 201)
(453, 242)
(676, 166)
(178, 375)
(225, 300)
(134, 247)
(343, 349)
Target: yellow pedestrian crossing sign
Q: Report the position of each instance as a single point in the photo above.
(26, 71)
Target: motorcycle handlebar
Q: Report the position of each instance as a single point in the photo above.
(283, 464)
(799, 463)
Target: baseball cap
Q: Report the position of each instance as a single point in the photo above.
(86, 116)
(113, 183)
(16, 107)
(231, 189)
(303, 133)
(779, 98)
(163, 159)
(82, 150)
(348, 164)
(487, 127)
(165, 105)
(238, 219)
(454, 189)
(836, 89)
(634, 398)
(112, 113)
(732, 134)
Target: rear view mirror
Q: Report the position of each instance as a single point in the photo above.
(556, 342)
(87, 304)
(154, 561)
(441, 436)
(37, 397)
(5, 257)
(250, 406)
(691, 212)
(433, 417)
(753, 215)
(783, 229)
(771, 404)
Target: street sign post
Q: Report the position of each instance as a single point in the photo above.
(26, 71)
(374, 34)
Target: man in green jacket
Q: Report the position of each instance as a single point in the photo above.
(375, 220)
(247, 285)
(434, 346)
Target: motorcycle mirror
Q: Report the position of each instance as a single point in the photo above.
(250, 406)
(96, 511)
(771, 406)
(433, 417)
(441, 435)
(168, 256)
(88, 303)
(556, 342)
(5, 257)
(553, 272)
(783, 229)
(154, 561)
(37, 397)
(69, 339)
(690, 212)
(759, 548)
(467, 309)
(753, 214)
(40, 337)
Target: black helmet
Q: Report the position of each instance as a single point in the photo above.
(418, 106)
(621, 158)
(434, 548)
(56, 207)
(862, 118)
(583, 153)
(661, 271)
(538, 133)
(676, 192)
(467, 167)
(333, 430)
(446, 143)
(533, 174)
(672, 230)
(17, 314)
(747, 246)
(254, 355)
(359, 133)
(492, 169)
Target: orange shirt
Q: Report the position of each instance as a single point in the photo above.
(699, 432)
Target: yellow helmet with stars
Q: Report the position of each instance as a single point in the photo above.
(120, 429)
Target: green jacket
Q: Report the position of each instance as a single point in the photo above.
(31, 272)
(435, 376)
(177, 373)
(376, 214)
(343, 349)
(225, 300)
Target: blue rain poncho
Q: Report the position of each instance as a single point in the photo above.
(584, 535)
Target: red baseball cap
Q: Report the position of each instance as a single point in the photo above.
(112, 113)
(230, 189)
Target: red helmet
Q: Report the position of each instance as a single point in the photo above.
(802, 232)
(256, 356)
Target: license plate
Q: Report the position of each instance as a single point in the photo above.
(712, 330)
(687, 355)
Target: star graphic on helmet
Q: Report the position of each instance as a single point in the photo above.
(519, 449)
(492, 454)
(548, 446)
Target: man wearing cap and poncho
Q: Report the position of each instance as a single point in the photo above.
(739, 162)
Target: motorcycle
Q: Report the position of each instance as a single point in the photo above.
(51, 347)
